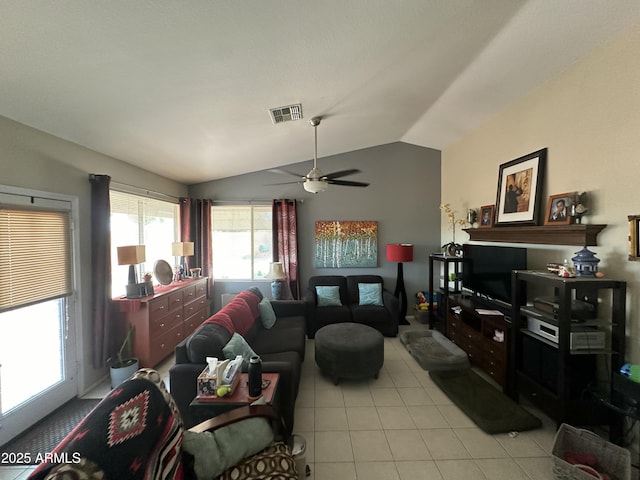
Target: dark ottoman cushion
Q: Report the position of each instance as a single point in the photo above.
(349, 350)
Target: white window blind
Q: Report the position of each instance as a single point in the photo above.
(35, 256)
(138, 220)
(242, 241)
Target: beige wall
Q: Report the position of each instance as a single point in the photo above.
(589, 119)
(35, 160)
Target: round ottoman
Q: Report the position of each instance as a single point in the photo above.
(349, 350)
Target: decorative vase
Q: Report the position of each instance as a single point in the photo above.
(450, 250)
(586, 263)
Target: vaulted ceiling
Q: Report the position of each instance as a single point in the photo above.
(183, 88)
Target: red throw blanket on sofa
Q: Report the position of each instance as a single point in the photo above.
(239, 314)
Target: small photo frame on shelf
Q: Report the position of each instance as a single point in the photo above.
(519, 189)
(559, 209)
(487, 216)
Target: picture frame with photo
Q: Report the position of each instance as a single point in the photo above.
(520, 189)
(487, 216)
(558, 210)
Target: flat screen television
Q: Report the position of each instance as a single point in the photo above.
(487, 269)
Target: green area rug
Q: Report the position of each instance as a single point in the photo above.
(488, 407)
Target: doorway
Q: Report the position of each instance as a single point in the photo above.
(38, 307)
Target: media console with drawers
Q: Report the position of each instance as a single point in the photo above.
(481, 332)
(164, 319)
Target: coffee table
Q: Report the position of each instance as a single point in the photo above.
(203, 408)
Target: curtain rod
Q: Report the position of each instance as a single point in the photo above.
(150, 193)
(250, 202)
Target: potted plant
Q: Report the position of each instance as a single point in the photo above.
(123, 365)
(451, 248)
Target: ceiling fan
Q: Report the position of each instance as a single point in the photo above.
(315, 181)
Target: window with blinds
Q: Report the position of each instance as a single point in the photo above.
(242, 241)
(137, 220)
(35, 256)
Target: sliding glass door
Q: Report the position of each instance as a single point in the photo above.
(37, 308)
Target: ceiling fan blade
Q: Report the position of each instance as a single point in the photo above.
(285, 183)
(348, 183)
(286, 172)
(341, 173)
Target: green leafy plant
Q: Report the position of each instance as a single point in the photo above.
(451, 247)
(123, 357)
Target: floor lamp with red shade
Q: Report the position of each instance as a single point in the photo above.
(400, 252)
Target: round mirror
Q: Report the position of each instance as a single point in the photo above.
(162, 271)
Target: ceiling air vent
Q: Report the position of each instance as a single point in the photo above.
(286, 114)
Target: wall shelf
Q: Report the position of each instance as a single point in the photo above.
(577, 234)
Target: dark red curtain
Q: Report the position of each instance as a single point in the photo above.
(285, 241)
(195, 226)
(101, 269)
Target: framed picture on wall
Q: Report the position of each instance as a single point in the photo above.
(346, 244)
(519, 189)
(559, 208)
(487, 215)
(634, 237)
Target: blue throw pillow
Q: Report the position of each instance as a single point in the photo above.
(328, 296)
(267, 315)
(370, 293)
(238, 346)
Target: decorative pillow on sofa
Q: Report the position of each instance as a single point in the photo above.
(267, 315)
(370, 293)
(328, 296)
(238, 346)
(214, 452)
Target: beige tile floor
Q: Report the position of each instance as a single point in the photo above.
(398, 427)
(402, 427)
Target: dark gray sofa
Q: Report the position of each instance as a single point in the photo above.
(383, 318)
(281, 348)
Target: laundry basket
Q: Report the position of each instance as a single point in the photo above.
(611, 459)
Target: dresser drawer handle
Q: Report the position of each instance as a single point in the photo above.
(161, 307)
(162, 325)
(162, 345)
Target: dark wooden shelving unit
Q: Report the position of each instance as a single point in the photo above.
(553, 375)
(578, 234)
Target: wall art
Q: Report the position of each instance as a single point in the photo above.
(346, 244)
(519, 189)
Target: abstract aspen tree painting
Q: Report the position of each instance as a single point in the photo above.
(346, 244)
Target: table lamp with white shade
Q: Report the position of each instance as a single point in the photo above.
(181, 250)
(132, 255)
(277, 275)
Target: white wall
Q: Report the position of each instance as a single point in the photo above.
(589, 119)
(35, 160)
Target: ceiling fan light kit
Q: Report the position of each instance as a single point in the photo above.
(315, 186)
(315, 181)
